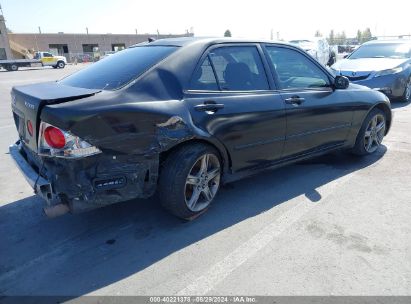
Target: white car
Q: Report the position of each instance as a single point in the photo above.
(48, 59)
(318, 48)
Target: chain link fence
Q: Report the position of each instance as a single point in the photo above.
(85, 57)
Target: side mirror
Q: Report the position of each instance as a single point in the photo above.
(341, 82)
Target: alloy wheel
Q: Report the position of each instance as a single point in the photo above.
(202, 182)
(407, 94)
(374, 133)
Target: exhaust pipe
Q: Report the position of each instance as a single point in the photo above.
(56, 210)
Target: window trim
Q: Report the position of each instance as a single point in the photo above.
(265, 64)
(214, 71)
(274, 74)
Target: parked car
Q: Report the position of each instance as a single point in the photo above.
(381, 64)
(319, 48)
(180, 117)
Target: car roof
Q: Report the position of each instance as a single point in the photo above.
(309, 39)
(184, 41)
(404, 41)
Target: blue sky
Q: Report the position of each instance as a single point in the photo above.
(291, 18)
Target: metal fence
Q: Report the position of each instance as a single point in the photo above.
(81, 57)
(84, 57)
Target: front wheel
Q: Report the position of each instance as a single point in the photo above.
(407, 91)
(371, 133)
(14, 67)
(189, 180)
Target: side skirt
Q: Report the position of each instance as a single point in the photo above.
(231, 177)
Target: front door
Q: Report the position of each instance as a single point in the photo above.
(317, 115)
(232, 99)
(48, 59)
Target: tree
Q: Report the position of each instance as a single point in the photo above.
(366, 35)
(9, 30)
(227, 33)
(344, 36)
(331, 38)
(359, 36)
(318, 33)
(341, 38)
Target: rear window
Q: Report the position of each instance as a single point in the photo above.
(119, 69)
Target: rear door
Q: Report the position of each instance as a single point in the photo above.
(318, 117)
(232, 98)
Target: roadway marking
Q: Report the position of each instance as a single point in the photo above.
(221, 270)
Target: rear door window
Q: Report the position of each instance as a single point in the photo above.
(204, 78)
(119, 69)
(238, 68)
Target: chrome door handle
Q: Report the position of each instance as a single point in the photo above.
(295, 100)
(212, 107)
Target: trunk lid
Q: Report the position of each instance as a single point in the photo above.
(28, 101)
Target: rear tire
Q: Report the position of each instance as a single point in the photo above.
(189, 180)
(371, 133)
(14, 67)
(61, 65)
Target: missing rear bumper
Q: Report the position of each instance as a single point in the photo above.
(40, 185)
(85, 184)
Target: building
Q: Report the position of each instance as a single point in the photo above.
(74, 46)
(5, 50)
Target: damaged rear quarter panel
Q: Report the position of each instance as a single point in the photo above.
(138, 128)
(146, 117)
(131, 136)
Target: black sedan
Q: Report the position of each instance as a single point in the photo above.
(180, 117)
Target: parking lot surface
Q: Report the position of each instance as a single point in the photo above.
(335, 225)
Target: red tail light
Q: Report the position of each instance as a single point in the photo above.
(30, 127)
(55, 142)
(54, 137)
